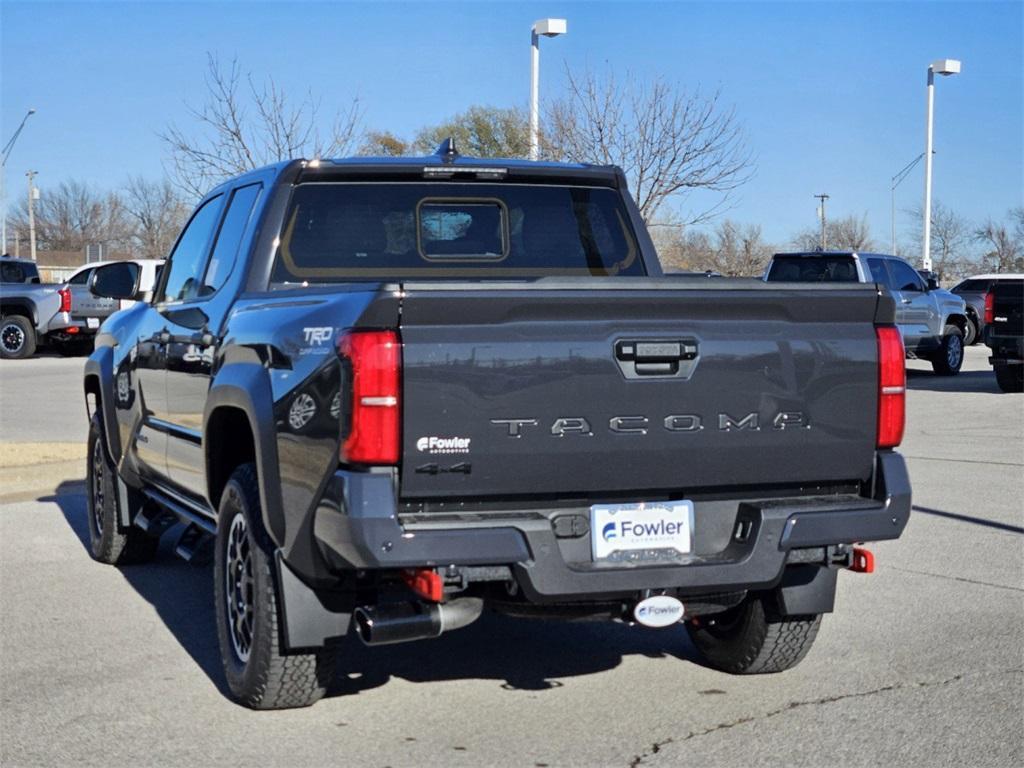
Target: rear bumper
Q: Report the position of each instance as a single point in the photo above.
(1005, 349)
(358, 526)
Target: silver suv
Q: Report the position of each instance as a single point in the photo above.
(932, 321)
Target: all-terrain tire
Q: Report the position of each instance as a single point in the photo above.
(749, 640)
(259, 674)
(1010, 378)
(17, 337)
(107, 543)
(950, 356)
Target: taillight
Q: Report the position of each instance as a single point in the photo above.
(65, 299)
(375, 372)
(892, 387)
(990, 308)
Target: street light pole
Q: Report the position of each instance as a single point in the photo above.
(547, 28)
(942, 67)
(31, 214)
(4, 154)
(821, 215)
(896, 181)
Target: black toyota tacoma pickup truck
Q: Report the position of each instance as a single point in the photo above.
(1004, 333)
(392, 393)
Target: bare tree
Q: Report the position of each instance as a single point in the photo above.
(157, 213)
(951, 240)
(846, 234)
(72, 215)
(243, 124)
(732, 249)
(669, 142)
(1004, 244)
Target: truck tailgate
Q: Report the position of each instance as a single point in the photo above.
(629, 386)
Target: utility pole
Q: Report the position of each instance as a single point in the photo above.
(821, 215)
(32, 213)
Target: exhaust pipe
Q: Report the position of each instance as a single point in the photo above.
(414, 620)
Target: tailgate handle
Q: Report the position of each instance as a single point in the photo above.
(655, 358)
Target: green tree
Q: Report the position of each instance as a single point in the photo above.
(480, 131)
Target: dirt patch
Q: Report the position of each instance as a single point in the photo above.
(30, 454)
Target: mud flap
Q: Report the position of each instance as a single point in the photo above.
(309, 619)
(807, 590)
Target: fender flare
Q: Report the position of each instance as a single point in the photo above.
(27, 306)
(245, 386)
(100, 367)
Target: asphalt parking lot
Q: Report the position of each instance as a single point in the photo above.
(922, 663)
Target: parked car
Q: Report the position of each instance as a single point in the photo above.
(933, 322)
(1004, 332)
(26, 308)
(81, 312)
(973, 290)
(398, 391)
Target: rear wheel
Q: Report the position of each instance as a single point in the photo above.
(950, 355)
(750, 640)
(1010, 378)
(17, 338)
(971, 332)
(259, 673)
(106, 543)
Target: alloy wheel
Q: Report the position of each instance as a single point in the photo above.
(239, 587)
(98, 496)
(12, 338)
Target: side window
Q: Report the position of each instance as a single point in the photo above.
(81, 278)
(229, 238)
(904, 278)
(12, 273)
(189, 256)
(878, 272)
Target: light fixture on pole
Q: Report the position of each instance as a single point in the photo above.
(943, 67)
(547, 28)
(4, 154)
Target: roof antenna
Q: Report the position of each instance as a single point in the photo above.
(447, 150)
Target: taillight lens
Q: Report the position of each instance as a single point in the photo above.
(990, 308)
(375, 372)
(65, 300)
(892, 387)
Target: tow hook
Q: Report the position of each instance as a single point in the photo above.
(856, 559)
(863, 561)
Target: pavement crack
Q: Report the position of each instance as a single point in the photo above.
(659, 745)
(953, 578)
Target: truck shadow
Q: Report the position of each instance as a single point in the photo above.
(523, 654)
(965, 381)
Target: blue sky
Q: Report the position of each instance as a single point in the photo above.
(831, 95)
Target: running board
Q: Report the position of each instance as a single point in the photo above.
(187, 512)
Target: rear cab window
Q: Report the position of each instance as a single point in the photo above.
(336, 231)
(813, 269)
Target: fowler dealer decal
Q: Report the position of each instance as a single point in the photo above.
(434, 444)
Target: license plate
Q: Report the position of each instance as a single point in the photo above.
(92, 322)
(632, 528)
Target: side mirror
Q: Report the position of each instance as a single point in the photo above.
(116, 281)
(933, 284)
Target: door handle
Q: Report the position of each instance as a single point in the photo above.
(655, 357)
(906, 301)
